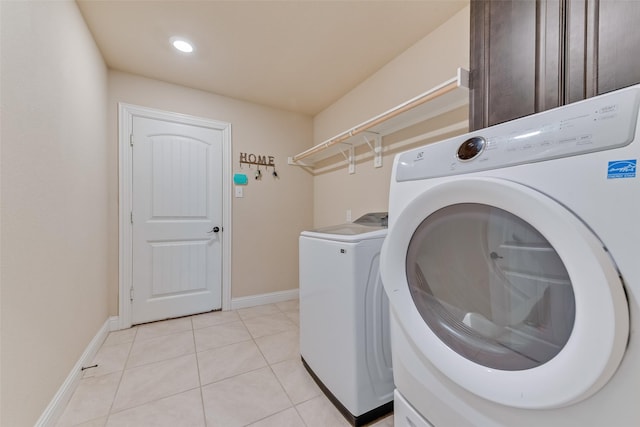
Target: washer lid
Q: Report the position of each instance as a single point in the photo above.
(369, 226)
(349, 232)
(596, 332)
(348, 229)
(375, 219)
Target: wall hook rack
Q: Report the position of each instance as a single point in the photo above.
(257, 159)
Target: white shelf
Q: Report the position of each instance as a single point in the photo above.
(445, 97)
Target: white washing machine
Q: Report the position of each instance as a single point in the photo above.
(344, 317)
(513, 272)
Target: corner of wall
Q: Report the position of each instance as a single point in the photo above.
(53, 175)
(411, 73)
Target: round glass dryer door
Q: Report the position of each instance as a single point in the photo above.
(506, 292)
(490, 286)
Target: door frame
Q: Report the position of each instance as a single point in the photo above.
(126, 112)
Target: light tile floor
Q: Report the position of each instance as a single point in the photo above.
(227, 369)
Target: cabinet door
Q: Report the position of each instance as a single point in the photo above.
(603, 47)
(529, 56)
(516, 59)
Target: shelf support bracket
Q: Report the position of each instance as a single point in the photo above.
(350, 157)
(376, 148)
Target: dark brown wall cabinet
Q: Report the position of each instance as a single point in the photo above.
(532, 55)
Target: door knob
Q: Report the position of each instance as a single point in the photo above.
(214, 230)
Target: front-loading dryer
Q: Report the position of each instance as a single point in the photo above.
(512, 271)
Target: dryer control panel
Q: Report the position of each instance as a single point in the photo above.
(600, 123)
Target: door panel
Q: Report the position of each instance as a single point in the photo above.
(618, 51)
(514, 59)
(179, 167)
(177, 202)
(511, 85)
(531, 56)
(179, 267)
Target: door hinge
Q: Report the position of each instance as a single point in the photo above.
(131, 140)
(131, 294)
(131, 217)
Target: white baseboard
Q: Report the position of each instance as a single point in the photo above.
(270, 298)
(60, 400)
(114, 323)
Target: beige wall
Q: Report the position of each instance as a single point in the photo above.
(59, 183)
(53, 198)
(426, 64)
(268, 220)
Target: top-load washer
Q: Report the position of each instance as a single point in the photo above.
(512, 271)
(344, 317)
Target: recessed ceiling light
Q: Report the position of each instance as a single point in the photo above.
(182, 45)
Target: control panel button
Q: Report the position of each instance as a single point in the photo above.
(471, 148)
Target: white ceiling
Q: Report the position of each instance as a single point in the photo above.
(298, 55)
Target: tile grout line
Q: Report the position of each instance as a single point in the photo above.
(151, 363)
(253, 340)
(137, 339)
(111, 412)
(270, 365)
(83, 379)
(293, 405)
(124, 366)
(195, 349)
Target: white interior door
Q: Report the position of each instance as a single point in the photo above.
(176, 219)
